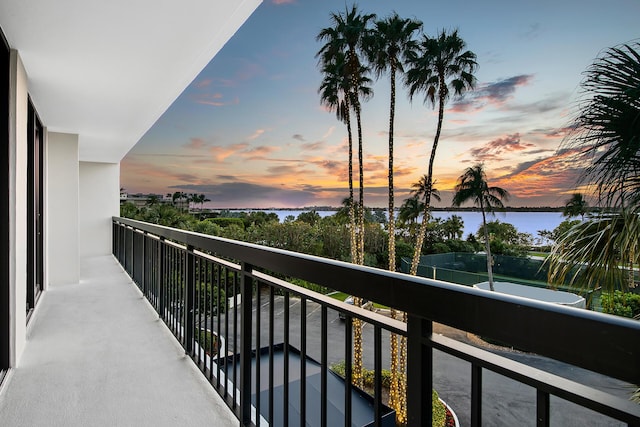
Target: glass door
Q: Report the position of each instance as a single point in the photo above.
(5, 290)
(35, 228)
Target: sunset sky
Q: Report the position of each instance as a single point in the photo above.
(250, 130)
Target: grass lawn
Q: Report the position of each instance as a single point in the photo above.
(539, 254)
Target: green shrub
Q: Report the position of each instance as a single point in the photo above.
(225, 222)
(439, 412)
(367, 374)
(625, 304)
(204, 338)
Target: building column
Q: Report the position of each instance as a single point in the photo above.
(99, 202)
(62, 177)
(18, 113)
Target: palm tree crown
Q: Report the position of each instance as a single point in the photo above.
(473, 186)
(607, 127)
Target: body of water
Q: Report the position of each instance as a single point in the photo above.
(524, 222)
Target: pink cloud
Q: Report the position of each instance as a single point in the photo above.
(203, 83)
(493, 93)
(258, 153)
(495, 149)
(195, 144)
(214, 99)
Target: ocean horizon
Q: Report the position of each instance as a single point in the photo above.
(524, 221)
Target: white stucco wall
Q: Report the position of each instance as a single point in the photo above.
(62, 215)
(18, 113)
(99, 201)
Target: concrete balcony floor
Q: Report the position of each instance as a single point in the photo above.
(97, 355)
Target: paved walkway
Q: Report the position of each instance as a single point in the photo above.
(97, 355)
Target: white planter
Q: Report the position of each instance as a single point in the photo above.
(455, 417)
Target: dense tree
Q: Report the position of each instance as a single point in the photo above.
(576, 206)
(453, 227)
(472, 186)
(439, 68)
(311, 217)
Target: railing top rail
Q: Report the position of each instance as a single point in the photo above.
(601, 343)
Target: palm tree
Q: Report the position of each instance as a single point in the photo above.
(333, 94)
(345, 40)
(152, 200)
(472, 185)
(607, 134)
(607, 126)
(425, 188)
(453, 227)
(388, 49)
(575, 206)
(439, 67)
(590, 254)
(410, 210)
(347, 37)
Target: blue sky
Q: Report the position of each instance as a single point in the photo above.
(250, 130)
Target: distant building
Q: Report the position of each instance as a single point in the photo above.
(140, 200)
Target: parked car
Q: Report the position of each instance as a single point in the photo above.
(366, 304)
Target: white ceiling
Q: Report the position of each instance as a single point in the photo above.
(107, 69)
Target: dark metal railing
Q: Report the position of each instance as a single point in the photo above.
(229, 305)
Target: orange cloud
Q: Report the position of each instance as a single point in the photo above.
(222, 153)
(255, 135)
(557, 174)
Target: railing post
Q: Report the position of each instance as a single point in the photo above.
(246, 290)
(114, 243)
(161, 277)
(133, 254)
(144, 262)
(129, 250)
(476, 395)
(419, 372)
(189, 293)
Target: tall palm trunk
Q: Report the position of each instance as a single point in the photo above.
(357, 323)
(427, 204)
(361, 183)
(487, 246)
(392, 226)
(393, 393)
(352, 215)
(419, 242)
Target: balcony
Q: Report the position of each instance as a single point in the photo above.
(246, 328)
(97, 355)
